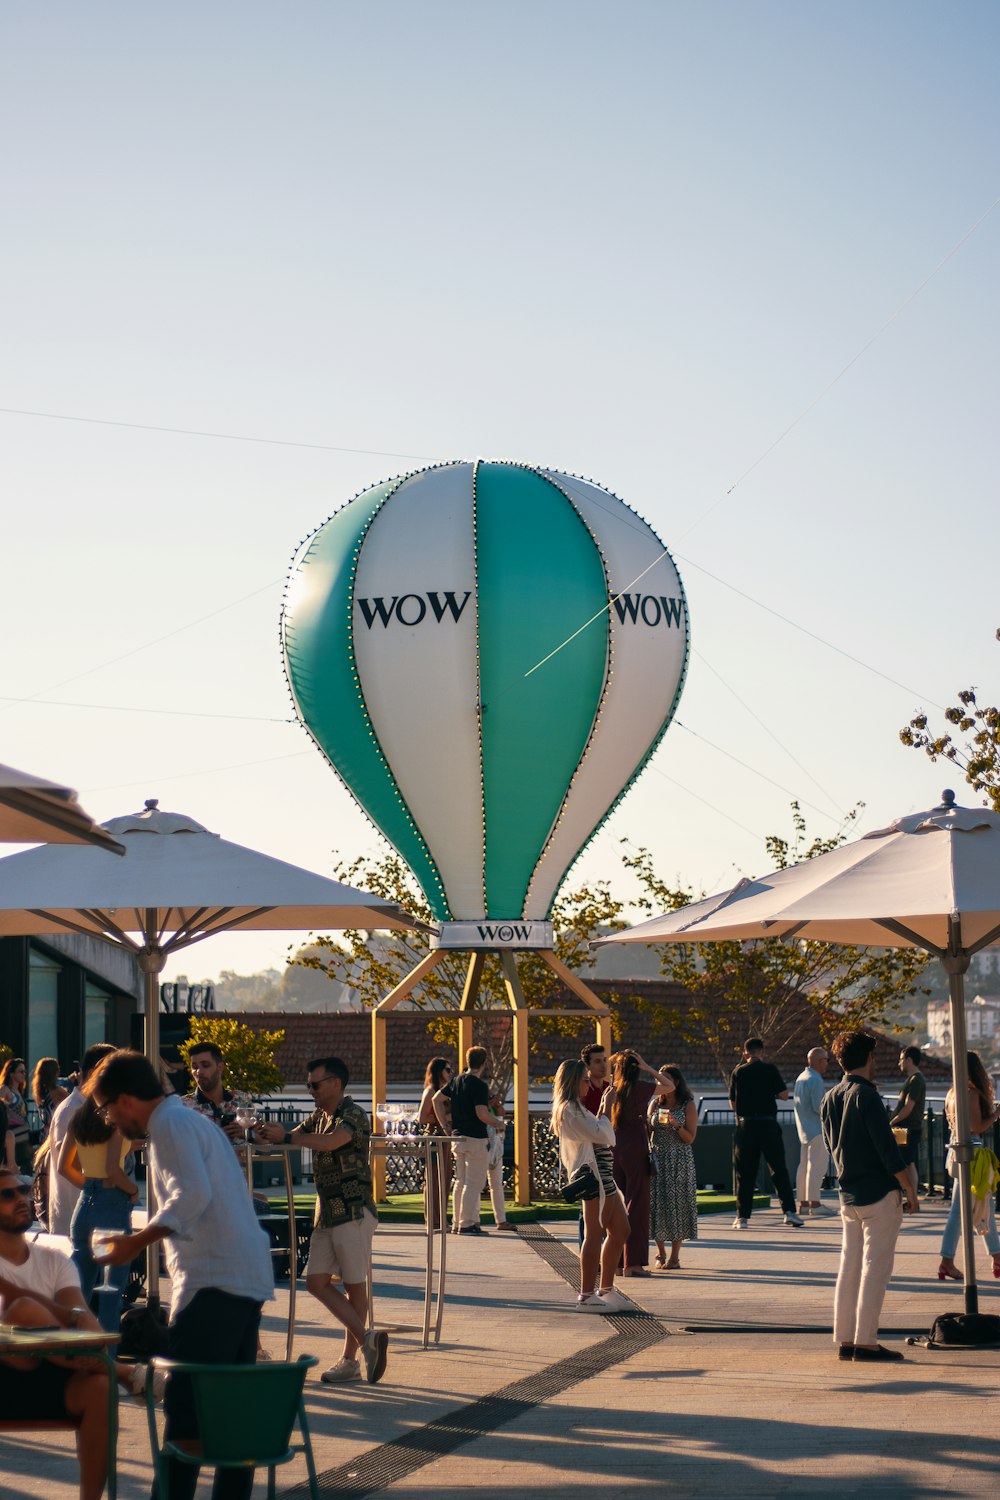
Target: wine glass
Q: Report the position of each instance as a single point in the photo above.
(246, 1115)
(100, 1240)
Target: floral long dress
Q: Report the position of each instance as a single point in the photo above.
(674, 1199)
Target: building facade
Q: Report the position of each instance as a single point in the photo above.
(59, 994)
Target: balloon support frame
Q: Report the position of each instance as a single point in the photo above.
(467, 1012)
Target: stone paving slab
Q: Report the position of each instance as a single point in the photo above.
(711, 1412)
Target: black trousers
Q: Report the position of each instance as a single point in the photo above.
(754, 1139)
(214, 1328)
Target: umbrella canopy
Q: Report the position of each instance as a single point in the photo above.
(930, 880)
(177, 885)
(901, 886)
(35, 811)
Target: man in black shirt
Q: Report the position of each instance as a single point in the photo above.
(754, 1090)
(470, 1117)
(872, 1174)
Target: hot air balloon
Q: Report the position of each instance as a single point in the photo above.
(487, 654)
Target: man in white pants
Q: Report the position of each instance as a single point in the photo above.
(808, 1096)
(873, 1182)
(471, 1117)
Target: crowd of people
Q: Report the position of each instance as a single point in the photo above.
(625, 1131)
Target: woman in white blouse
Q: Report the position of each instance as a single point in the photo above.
(588, 1140)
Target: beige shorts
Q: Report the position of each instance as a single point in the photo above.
(343, 1251)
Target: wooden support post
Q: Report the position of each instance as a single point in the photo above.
(470, 994)
(380, 1077)
(522, 1118)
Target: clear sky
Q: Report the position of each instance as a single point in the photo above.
(636, 242)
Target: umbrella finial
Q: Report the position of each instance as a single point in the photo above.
(152, 803)
(948, 797)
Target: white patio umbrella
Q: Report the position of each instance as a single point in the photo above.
(931, 880)
(35, 811)
(177, 885)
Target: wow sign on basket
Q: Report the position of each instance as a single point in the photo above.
(487, 654)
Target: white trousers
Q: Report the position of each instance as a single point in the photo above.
(471, 1160)
(495, 1179)
(813, 1157)
(866, 1256)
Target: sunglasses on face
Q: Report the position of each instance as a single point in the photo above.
(21, 1191)
(313, 1084)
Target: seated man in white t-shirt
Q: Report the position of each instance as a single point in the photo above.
(40, 1288)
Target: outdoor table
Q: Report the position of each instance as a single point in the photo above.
(265, 1151)
(68, 1342)
(433, 1150)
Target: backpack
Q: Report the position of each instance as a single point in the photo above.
(143, 1332)
(965, 1331)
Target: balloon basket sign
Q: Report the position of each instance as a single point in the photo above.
(487, 654)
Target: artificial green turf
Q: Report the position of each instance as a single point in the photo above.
(408, 1208)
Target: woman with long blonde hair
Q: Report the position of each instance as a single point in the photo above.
(587, 1140)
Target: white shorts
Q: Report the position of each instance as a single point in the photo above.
(344, 1251)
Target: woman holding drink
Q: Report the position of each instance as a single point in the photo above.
(673, 1119)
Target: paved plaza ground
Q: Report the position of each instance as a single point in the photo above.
(730, 1384)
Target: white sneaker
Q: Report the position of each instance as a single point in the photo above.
(591, 1304)
(739, 1223)
(375, 1353)
(615, 1302)
(794, 1222)
(340, 1373)
(822, 1211)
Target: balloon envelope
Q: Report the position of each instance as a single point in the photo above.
(487, 654)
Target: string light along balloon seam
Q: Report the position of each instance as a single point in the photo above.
(298, 560)
(684, 666)
(394, 785)
(658, 739)
(609, 672)
(479, 677)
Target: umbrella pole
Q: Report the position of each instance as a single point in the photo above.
(956, 961)
(152, 962)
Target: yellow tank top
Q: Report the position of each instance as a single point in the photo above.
(94, 1159)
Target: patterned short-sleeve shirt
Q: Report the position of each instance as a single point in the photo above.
(343, 1177)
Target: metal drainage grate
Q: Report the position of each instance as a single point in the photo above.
(383, 1466)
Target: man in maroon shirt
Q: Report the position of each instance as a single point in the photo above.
(594, 1059)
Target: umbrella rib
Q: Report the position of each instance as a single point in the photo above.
(66, 816)
(984, 942)
(119, 934)
(106, 927)
(901, 930)
(183, 938)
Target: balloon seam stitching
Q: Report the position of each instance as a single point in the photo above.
(298, 559)
(608, 672)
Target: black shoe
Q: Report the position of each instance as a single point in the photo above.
(846, 1351)
(878, 1355)
(473, 1229)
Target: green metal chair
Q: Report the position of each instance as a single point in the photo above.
(246, 1414)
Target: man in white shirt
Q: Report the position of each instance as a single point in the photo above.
(40, 1288)
(63, 1194)
(813, 1155)
(218, 1257)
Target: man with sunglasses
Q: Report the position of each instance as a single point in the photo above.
(40, 1288)
(338, 1133)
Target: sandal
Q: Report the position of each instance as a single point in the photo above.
(637, 1271)
(660, 1263)
(673, 1265)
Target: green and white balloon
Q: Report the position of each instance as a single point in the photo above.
(487, 654)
